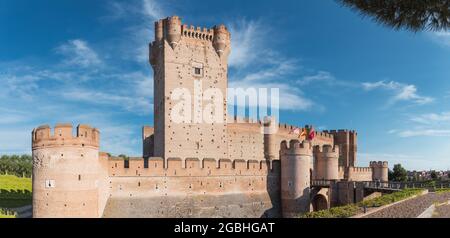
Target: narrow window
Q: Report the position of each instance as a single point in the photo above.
(79, 177)
(145, 163)
(197, 71)
(126, 164)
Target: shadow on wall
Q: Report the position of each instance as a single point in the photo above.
(274, 189)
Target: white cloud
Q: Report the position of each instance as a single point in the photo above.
(152, 9)
(401, 92)
(137, 104)
(18, 86)
(78, 53)
(432, 118)
(441, 37)
(321, 76)
(429, 124)
(291, 98)
(257, 65)
(424, 132)
(141, 15)
(247, 43)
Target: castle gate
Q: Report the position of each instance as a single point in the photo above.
(319, 202)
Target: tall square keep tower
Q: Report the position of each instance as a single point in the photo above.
(187, 61)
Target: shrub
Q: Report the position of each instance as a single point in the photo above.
(353, 209)
(335, 212)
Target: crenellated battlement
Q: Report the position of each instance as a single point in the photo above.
(327, 150)
(379, 164)
(172, 30)
(158, 166)
(237, 119)
(62, 135)
(296, 147)
(360, 169)
(198, 32)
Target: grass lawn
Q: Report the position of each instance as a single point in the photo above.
(11, 182)
(14, 192)
(6, 216)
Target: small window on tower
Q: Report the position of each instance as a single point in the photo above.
(198, 71)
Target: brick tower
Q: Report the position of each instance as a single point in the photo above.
(190, 81)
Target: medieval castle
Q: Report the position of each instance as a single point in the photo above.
(230, 169)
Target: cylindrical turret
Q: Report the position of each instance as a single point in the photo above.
(295, 177)
(66, 172)
(221, 40)
(327, 159)
(159, 31)
(270, 145)
(379, 171)
(173, 30)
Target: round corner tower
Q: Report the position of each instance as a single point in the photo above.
(65, 171)
(380, 170)
(270, 145)
(326, 162)
(295, 177)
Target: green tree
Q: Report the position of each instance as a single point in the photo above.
(399, 173)
(21, 166)
(433, 175)
(390, 175)
(414, 15)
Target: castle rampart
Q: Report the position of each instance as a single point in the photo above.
(63, 166)
(326, 164)
(235, 167)
(359, 174)
(379, 170)
(295, 177)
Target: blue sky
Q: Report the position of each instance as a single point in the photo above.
(86, 62)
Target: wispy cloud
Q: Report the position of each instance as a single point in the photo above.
(255, 64)
(424, 132)
(441, 37)
(152, 9)
(432, 118)
(130, 103)
(77, 52)
(141, 14)
(428, 124)
(400, 91)
(247, 43)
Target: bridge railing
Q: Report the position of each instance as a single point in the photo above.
(404, 185)
(322, 183)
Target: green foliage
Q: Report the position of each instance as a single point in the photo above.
(399, 173)
(353, 209)
(20, 166)
(442, 190)
(124, 157)
(405, 14)
(335, 212)
(14, 188)
(5, 213)
(433, 175)
(390, 198)
(430, 183)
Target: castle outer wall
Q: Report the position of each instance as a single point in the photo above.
(193, 168)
